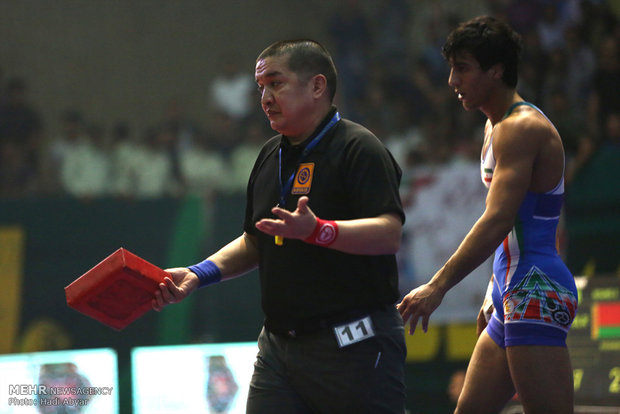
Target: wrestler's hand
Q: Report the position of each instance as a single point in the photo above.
(486, 310)
(180, 283)
(481, 322)
(419, 303)
(298, 224)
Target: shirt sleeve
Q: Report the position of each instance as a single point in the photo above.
(373, 177)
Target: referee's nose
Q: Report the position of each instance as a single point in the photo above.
(266, 98)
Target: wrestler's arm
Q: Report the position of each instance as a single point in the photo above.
(514, 157)
(515, 150)
(515, 146)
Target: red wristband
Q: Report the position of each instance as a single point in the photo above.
(325, 233)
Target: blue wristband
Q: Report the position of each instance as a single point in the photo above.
(208, 273)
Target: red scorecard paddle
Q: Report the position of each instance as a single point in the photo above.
(117, 291)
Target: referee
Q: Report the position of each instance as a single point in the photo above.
(323, 223)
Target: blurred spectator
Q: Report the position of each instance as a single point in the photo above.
(168, 142)
(455, 385)
(244, 154)
(177, 134)
(606, 84)
(124, 149)
(20, 140)
(393, 80)
(203, 168)
(586, 147)
(556, 77)
(223, 133)
(523, 15)
(533, 68)
(599, 19)
(350, 33)
(572, 126)
(529, 82)
(376, 112)
(72, 132)
(177, 121)
(19, 121)
(142, 166)
(612, 130)
(551, 28)
(580, 66)
(569, 10)
(438, 24)
(391, 23)
(86, 166)
(402, 138)
(2, 89)
(17, 178)
(231, 90)
(151, 167)
(435, 95)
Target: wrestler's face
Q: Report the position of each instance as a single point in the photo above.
(285, 98)
(471, 84)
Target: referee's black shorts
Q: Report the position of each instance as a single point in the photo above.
(310, 373)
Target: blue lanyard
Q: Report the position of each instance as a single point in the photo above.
(285, 189)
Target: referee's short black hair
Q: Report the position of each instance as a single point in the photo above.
(490, 41)
(306, 58)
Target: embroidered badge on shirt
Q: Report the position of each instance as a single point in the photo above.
(303, 179)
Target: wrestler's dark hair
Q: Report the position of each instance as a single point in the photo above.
(490, 41)
(306, 58)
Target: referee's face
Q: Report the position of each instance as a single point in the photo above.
(286, 100)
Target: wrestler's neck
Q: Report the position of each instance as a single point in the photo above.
(498, 103)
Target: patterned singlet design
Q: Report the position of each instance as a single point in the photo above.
(532, 288)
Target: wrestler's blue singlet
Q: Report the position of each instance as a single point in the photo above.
(534, 293)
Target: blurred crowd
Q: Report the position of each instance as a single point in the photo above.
(174, 156)
(393, 79)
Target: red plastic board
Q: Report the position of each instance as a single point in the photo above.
(117, 291)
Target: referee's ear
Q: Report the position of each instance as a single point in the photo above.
(319, 85)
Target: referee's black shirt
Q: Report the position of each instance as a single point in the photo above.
(354, 176)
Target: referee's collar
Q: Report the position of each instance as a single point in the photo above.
(285, 144)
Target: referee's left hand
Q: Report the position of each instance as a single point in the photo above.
(298, 224)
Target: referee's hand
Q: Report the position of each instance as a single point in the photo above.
(297, 224)
(180, 283)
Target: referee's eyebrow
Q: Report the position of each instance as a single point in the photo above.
(270, 74)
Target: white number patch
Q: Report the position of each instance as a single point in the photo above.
(352, 332)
